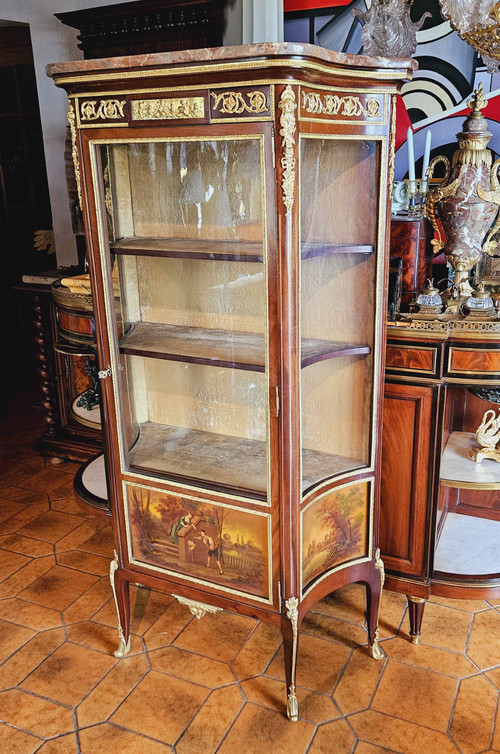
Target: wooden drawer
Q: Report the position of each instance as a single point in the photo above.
(418, 359)
(482, 360)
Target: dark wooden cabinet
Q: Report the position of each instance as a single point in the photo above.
(241, 370)
(440, 511)
(145, 26)
(407, 475)
(64, 355)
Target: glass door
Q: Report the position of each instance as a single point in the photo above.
(187, 228)
(339, 179)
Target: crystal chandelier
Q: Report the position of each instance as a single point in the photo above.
(478, 22)
(465, 15)
(388, 29)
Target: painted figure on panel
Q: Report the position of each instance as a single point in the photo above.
(334, 530)
(206, 541)
(213, 549)
(180, 523)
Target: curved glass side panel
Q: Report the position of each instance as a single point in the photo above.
(339, 207)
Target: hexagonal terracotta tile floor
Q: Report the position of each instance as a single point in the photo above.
(216, 685)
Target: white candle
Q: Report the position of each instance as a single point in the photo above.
(411, 155)
(427, 153)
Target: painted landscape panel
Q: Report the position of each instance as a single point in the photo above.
(205, 541)
(334, 530)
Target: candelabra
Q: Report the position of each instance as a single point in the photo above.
(478, 22)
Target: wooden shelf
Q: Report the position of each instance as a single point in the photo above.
(459, 470)
(223, 348)
(321, 350)
(233, 251)
(190, 248)
(318, 249)
(221, 462)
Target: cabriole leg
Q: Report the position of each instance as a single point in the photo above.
(120, 588)
(290, 632)
(373, 596)
(416, 613)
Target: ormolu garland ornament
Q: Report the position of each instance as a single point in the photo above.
(467, 201)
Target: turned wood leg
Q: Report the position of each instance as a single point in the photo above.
(416, 613)
(290, 633)
(44, 356)
(373, 597)
(121, 596)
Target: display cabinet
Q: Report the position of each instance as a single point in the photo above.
(440, 511)
(241, 196)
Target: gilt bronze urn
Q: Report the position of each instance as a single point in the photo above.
(463, 207)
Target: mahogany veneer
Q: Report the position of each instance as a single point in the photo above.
(411, 359)
(410, 240)
(479, 359)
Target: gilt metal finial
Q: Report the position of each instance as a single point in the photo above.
(478, 101)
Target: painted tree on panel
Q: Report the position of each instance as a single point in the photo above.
(343, 517)
(141, 513)
(334, 530)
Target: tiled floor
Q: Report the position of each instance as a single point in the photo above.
(199, 687)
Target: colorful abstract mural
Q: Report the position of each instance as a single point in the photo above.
(209, 542)
(435, 100)
(334, 530)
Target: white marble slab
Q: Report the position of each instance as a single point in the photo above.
(468, 545)
(458, 466)
(94, 478)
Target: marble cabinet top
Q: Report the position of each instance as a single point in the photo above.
(237, 52)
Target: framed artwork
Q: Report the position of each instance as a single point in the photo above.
(206, 542)
(335, 530)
